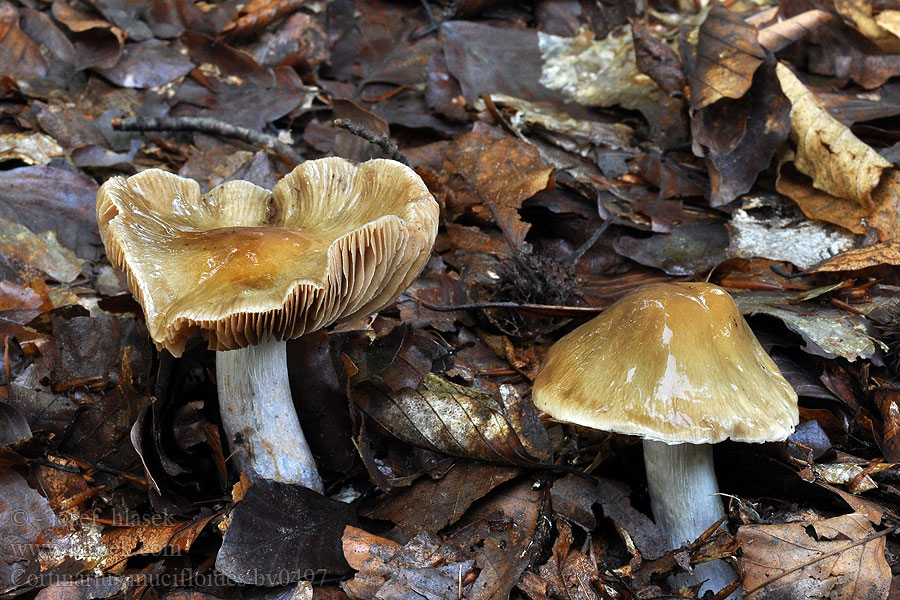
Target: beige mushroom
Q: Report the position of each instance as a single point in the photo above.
(676, 364)
(249, 269)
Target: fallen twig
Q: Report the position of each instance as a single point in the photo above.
(382, 141)
(543, 310)
(210, 126)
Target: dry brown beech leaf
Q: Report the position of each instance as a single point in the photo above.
(827, 151)
(727, 57)
(843, 552)
(490, 178)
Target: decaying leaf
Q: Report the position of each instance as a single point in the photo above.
(37, 255)
(281, 533)
(817, 204)
(509, 532)
(591, 139)
(843, 552)
(727, 57)
(453, 419)
(827, 331)
(739, 137)
(19, 56)
(658, 60)
(568, 573)
(422, 569)
(13, 425)
(888, 402)
(30, 148)
(490, 178)
(688, 249)
(66, 208)
(770, 226)
(430, 505)
(859, 14)
(493, 60)
(574, 498)
(597, 72)
(151, 539)
(24, 513)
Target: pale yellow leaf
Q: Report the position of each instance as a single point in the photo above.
(838, 162)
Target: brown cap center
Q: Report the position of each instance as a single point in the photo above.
(245, 255)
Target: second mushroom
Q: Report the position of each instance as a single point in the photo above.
(250, 268)
(677, 365)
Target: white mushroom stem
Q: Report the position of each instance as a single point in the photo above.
(259, 416)
(685, 502)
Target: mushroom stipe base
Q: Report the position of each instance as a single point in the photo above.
(259, 417)
(684, 497)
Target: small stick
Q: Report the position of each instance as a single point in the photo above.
(210, 126)
(549, 310)
(580, 251)
(382, 141)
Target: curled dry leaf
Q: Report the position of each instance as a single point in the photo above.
(453, 419)
(259, 13)
(783, 33)
(176, 537)
(827, 151)
(817, 204)
(885, 253)
(843, 552)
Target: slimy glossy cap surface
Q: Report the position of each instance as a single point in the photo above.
(241, 263)
(672, 362)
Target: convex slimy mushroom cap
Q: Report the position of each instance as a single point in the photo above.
(671, 362)
(240, 263)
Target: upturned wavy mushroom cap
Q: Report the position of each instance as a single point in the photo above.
(671, 362)
(241, 263)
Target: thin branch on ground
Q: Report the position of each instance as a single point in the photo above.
(382, 141)
(212, 127)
